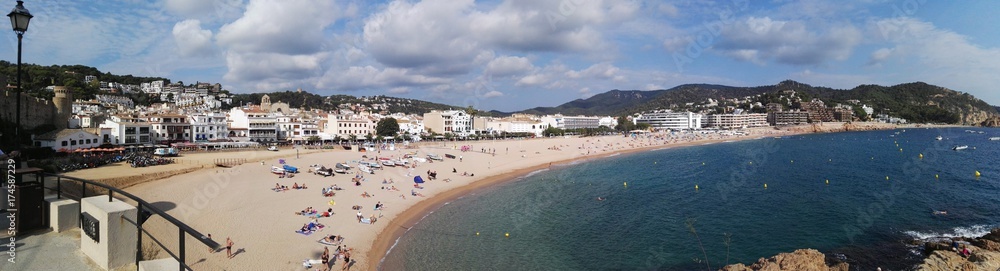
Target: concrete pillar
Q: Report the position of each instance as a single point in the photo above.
(115, 245)
(64, 214)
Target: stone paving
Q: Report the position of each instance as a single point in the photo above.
(47, 250)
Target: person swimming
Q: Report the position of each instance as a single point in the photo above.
(600, 198)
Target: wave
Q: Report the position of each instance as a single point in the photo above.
(534, 172)
(974, 231)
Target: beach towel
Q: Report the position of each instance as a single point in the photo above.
(306, 233)
(307, 263)
(366, 221)
(323, 241)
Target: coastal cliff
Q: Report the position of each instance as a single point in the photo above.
(801, 260)
(984, 253)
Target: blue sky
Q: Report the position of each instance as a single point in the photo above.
(516, 54)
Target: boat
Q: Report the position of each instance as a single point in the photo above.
(290, 169)
(374, 165)
(277, 170)
(939, 138)
(995, 138)
(962, 147)
(388, 163)
(365, 169)
(323, 171)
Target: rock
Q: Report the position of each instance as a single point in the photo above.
(987, 244)
(993, 121)
(801, 260)
(942, 260)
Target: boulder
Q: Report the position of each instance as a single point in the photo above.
(802, 260)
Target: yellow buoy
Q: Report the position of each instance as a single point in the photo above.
(977, 173)
(332, 203)
(765, 186)
(506, 234)
(900, 149)
(751, 162)
(921, 156)
(886, 178)
(626, 183)
(696, 187)
(477, 233)
(935, 176)
(827, 181)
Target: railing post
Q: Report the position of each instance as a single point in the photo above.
(110, 194)
(138, 232)
(180, 232)
(59, 187)
(83, 192)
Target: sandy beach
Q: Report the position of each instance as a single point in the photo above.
(239, 202)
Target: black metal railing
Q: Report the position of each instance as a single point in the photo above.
(145, 210)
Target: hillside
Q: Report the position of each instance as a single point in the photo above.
(917, 102)
(35, 78)
(308, 100)
(608, 103)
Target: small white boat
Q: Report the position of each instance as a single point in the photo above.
(995, 138)
(388, 163)
(962, 147)
(277, 170)
(365, 169)
(939, 138)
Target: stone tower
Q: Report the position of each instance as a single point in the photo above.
(63, 101)
(265, 103)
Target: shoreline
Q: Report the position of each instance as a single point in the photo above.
(387, 238)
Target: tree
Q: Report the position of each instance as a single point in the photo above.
(387, 127)
(553, 131)
(624, 124)
(312, 138)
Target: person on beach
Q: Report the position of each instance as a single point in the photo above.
(229, 247)
(347, 260)
(360, 216)
(325, 258)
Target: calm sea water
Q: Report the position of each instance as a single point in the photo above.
(555, 222)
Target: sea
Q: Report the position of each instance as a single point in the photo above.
(866, 198)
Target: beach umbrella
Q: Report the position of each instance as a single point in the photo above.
(417, 179)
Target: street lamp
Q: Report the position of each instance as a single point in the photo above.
(19, 18)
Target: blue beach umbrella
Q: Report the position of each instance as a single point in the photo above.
(417, 179)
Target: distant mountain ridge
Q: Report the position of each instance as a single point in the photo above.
(918, 101)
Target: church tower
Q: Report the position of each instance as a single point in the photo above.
(265, 103)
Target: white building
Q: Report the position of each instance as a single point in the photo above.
(128, 130)
(68, 140)
(455, 122)
(735, 121)
(346, 126)
(572, 122)
(208, 127)
(516, 125)
(671, 120)
(261, 126)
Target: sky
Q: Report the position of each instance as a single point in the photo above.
(517, 54)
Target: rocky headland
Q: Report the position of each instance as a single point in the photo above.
(940, 253)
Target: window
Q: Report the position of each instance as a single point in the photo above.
(129, 130)
(64, 143)
(143, 130)
(72, 142)
(87, 141)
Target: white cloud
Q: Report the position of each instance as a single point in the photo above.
(762, 40)
(492, 94)
(938, 56)
(509, 65)
(192, 40)
(879, 56)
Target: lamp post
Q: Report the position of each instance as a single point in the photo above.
(19, 18)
